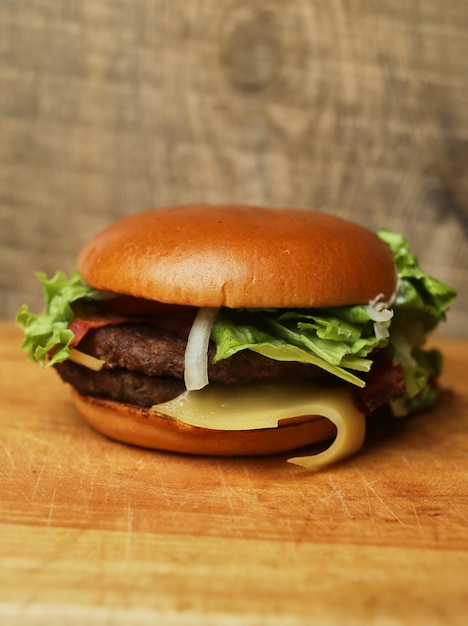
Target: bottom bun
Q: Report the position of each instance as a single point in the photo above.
(146, 428)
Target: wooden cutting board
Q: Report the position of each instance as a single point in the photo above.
(95, 532)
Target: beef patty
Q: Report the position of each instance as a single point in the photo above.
(144, 365)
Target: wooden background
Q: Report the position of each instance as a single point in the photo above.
(111, 106)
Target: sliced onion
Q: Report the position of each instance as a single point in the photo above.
(379, 313)
(196, 352)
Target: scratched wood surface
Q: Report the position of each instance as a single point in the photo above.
(110, 107)
(95, 532)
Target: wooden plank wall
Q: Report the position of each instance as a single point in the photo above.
(111, 106)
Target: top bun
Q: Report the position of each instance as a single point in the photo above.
(239, 256)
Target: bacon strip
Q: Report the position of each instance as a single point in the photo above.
(80, 326)
(384, 382)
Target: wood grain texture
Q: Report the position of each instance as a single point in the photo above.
(95, 532)
(106, 108)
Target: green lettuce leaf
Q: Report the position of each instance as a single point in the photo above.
(420, 297)
(47, 336)
(421, 303)
(326, 338)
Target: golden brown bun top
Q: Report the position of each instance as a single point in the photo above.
(239, 256)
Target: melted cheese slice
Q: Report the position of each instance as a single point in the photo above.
(265, 405)
(86, 360)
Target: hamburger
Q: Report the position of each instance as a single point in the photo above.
(240, 330)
